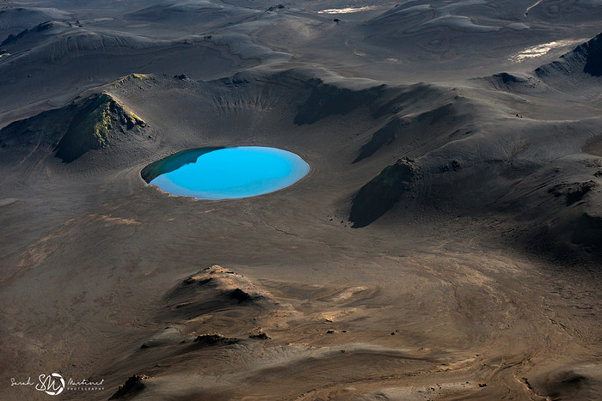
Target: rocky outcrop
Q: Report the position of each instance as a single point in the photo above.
(133, 385)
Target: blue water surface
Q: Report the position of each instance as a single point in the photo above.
(236, 172)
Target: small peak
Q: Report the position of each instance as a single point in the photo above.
(95, 121)
(132, 77)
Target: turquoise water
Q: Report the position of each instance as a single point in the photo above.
(226, 173)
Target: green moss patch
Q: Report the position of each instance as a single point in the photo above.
(95, 121)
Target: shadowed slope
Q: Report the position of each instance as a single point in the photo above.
(586, 57)
(71, 131)
(381, 193)
(93, 125)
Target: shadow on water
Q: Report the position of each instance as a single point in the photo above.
(226, 173)
(173, 162)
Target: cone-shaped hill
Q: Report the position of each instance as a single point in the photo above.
(90, 124)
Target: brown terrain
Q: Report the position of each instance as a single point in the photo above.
(446, 244)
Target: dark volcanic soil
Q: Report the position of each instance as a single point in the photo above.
(445, 244)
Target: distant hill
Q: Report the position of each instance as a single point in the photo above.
(586, 58)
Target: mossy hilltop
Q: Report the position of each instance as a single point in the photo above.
(93, 126)
(90, 124)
